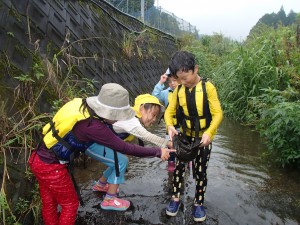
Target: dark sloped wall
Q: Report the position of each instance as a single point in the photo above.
(92, 29)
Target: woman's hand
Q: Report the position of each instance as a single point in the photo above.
(165, 153)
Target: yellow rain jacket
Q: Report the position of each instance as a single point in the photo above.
(179, 99)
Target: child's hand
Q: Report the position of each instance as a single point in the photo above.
(205, 141)
(170, 144)
(165, 153)
(163, 78)
(171, 132)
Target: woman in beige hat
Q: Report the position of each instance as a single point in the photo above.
(77, 125)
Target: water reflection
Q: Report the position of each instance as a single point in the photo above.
(249, 190)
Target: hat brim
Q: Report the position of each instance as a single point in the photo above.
(110, 113)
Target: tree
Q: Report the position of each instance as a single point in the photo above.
(291, 17)
(282, 16)
(269, 19)
(274, 20)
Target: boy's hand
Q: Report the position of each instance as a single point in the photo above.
(163, 78)
(165, 153)
(170, 144)
(171, 132)
(205, 141)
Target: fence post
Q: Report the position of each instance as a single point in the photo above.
(143, 10)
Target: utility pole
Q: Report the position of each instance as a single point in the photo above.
(142, 10)
(159, 15)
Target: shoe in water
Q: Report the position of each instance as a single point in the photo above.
(172, 208)
(171, 166)
(98, 187)
(115, 204)
(199, 213)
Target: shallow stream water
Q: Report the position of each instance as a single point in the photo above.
(242, 187)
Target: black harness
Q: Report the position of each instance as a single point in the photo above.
(186, 147)
(193, 116)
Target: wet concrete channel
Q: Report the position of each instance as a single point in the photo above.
(242, 188)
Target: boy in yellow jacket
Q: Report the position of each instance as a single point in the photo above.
(196, 105)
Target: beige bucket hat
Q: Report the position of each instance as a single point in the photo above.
(112, 103)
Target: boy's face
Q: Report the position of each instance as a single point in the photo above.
(172, 81)
(188, 79)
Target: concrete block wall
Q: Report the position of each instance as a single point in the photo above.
(92, 28)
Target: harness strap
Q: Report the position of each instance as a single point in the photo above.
(180, 115)
(116, 163)
(193, 116)
(115, 152)
(61, 140)
(193, 113)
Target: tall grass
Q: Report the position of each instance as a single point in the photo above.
(260, 79)
(246, 71)
(21, 121)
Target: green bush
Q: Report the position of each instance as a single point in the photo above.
(280, 125)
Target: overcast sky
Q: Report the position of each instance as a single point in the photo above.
(232, 18)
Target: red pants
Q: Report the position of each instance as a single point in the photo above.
(56, 188)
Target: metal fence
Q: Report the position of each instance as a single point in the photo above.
(159, 18)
